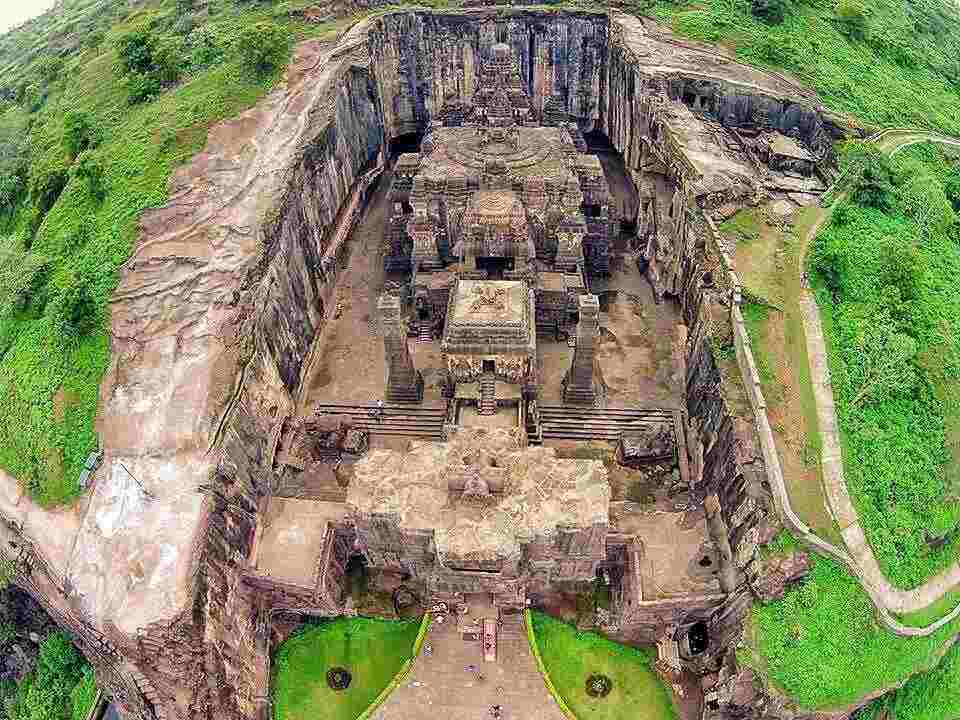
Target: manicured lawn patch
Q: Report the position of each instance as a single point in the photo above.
(372, 651)
(571, 657)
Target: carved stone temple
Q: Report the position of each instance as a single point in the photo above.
(436, 321)
(499, 218)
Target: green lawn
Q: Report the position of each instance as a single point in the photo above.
(571, 656)
(372, 650)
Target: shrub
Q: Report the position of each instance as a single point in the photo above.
(852, 15)
(263, 47)
(79, 132)
(148, 62)
(73, 310)
(951, 187)
(90, 169)
(869, 174)
(48, 178)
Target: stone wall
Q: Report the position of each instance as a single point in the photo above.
(422, 59)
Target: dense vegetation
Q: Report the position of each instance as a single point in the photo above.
(822, 644)
(61, 686)
(886, 62)
(887, 277)
(96, 109)
(373, 651)
(570, 657)
(931, 696)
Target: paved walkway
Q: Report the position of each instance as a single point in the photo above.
(841, 506)
(439, 688)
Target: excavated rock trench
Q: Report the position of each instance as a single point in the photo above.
(218, 308)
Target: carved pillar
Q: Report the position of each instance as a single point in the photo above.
(579, 386)
(404, 383)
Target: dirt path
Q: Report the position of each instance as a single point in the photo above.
(858, 551)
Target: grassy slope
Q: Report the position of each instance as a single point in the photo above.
(571, 656)
(932, 696)
(823, 646)
(895, 456)
(49, 386)
(372, 650)
(903, 73)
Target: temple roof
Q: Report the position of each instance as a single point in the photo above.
(532, 491)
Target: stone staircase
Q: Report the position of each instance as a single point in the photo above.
(566, 422)
(512, 627)
(488, 397)
(399, 420)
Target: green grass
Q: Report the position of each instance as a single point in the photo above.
(933, 695)
(571, 656)
(48, 384)
(83, 695)
(822, 645)
(754, 317)
(744, 226)
(904, 72)
(372, 650)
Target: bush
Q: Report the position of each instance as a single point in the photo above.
(148, 63)
(869, 174)
(90, 169)
(263, 47)
(48, 178)
(852, 15)
(951, 187)
(79, 132)
(770, 11)
(73, 310)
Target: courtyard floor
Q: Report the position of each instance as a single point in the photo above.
(440, 687)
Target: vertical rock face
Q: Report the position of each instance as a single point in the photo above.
(423, 61)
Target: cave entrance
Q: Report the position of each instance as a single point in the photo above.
(495, 266)
(406, 143)
(357, 575)
(698, 639)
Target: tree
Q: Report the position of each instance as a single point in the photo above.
(89, 168)
(951, 188)
(923, 198)
(73, 310)
(884, 363)
(770, 11)
(853, 16)
(263, 47)
(147, 62)
(14, 158)
(869, 174)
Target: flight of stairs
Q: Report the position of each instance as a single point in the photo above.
(511, 626)
(424, 333)
(398, 420)
(567, 422)
(488, 398)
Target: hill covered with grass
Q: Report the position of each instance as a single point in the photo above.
(100, 102)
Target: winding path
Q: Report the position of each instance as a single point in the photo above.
(858, 556)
